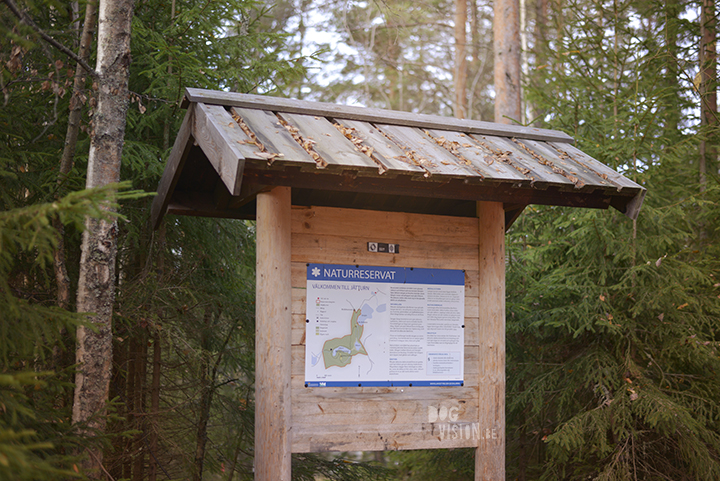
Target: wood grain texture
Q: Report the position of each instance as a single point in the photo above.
(344, 250)
(471, 151)
(329, 143)
(322, 221)
(273, 322)
(590, 163)
(173, 168)
(373, 418)
(570, 169)
(390, 155)
(375, 437)
(274, 136)
(277, 104)
(490, 454)
(215, 132)
(541, 175)
(426, 152)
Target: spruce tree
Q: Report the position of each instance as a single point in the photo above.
(613, 325)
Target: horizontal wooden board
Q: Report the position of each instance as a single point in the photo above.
(354, 250)
(338, 412)
(374, 437)
(392, 227)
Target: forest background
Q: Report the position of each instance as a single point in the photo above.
(613, 342)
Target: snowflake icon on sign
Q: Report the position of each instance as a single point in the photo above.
(315, 272)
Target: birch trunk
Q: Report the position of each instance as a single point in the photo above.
(96, 287)
(76, 102)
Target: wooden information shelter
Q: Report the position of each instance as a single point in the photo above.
(323, 181)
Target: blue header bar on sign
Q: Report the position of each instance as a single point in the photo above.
(393, 275)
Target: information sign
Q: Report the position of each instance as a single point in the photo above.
(384, 326)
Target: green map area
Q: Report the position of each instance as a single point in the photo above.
(340, 351)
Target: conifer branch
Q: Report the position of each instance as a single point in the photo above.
(25, 18)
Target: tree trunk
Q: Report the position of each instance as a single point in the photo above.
(126, 457)
(207, 379)
(138, 471)
(506, 38)
(540, 50)
(708, 86)
(155, 406)
(460, 59)
(76, 103)
(96, 288)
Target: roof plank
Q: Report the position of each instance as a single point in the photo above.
(600, 169)
(273, 135)
(388, 153)
(391, 117)
(215, 130)
(426, 152)
(471, 151)
(505, 150)
(328, 142)
(550, 157)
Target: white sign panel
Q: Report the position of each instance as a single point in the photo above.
(384, 326)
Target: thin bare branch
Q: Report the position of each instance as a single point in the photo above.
(25, 18)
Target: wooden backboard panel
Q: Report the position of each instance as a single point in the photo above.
(384, 418)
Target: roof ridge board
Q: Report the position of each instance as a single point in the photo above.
(280, 104)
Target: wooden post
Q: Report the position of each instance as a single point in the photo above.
(272, 337)
(490, 454)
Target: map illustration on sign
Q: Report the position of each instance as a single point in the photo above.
(384, 326)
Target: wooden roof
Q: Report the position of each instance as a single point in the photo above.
(232, 146)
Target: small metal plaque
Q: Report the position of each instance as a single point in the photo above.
(383, 247)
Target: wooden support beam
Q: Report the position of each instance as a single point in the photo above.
(173, 169)
(214, 131)
(512, 212)
(273, 324)
(490, 454)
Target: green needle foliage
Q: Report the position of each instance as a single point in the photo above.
(36, 439)
(614, 326)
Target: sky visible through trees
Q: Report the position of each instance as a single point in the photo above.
(613, 326)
